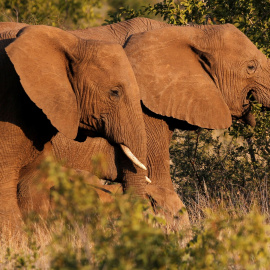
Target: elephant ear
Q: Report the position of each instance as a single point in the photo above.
(174, 76)
(41, 56)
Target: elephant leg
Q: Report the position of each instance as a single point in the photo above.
(161, 190)
(15, 152)
(94, 155)
(33, 192)
(113, 164)
(10, 215)
(158, 158)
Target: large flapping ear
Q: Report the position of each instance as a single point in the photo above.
(41, 55)
(174, 77)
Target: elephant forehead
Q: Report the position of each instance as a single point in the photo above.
(109, 50)
(114, 63)
(238, 44)
(107, 72)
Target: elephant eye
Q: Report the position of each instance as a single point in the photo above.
(251, 67)
(115, 94)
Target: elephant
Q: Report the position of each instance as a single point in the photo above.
(55, 82)
(28, 194)
(188, 77)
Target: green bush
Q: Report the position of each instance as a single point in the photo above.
(83, 233)
(252, 17)
(63, 13)
(226, 242)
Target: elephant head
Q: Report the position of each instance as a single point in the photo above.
(81, 84)
(202, 75)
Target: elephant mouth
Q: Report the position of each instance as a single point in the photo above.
(91, 130)
(246, 116)
(249, 99)
(134, 160)
(256, 93)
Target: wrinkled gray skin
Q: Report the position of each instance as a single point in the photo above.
(52, 82)
(188, 77)
(218, 65)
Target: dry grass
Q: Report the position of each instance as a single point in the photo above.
(38, 247)
(231, 232)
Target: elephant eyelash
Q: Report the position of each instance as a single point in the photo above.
(114, 93)
(251, 69)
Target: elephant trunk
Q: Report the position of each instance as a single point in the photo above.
(134, 160)
(132, 141)
(127, 129)
(250, 119)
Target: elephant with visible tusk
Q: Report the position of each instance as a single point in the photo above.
(52, 82)
(188, 77)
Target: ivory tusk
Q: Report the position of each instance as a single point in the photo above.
(129, 154)
(148, 180)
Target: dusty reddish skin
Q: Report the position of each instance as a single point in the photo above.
(57, 82)
(171, 68)
(188, 78)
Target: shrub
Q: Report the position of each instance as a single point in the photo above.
(84, 233)
(67, 14)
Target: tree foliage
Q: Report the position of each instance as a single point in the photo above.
(252, 17)
(134, 4)
(64, 13)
